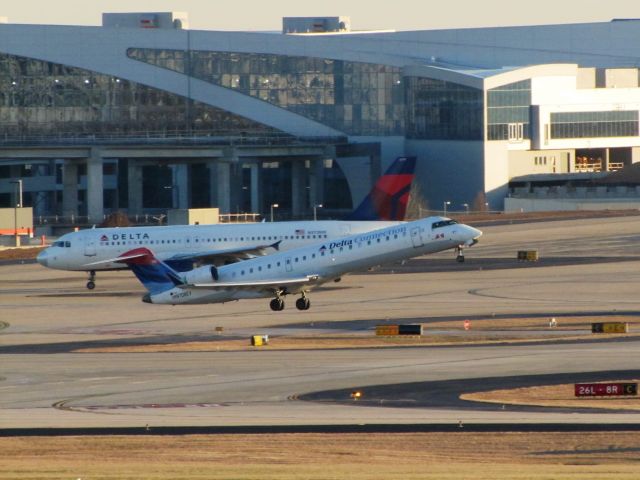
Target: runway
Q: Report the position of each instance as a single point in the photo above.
(587, 266)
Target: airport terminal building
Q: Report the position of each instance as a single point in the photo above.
(143, 114)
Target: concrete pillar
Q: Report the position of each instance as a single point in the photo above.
(69, 189)
(235, 187)
(298, 188)
(255, 187)
(316, 182)
(95, 187)
(221, 178)
(134, 187)
(181, 191)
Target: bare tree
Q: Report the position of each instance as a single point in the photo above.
(418, 206)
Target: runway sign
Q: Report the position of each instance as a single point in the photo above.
(392, 330)
(528, 255)
(387, 330)
(605, 389)
(610, 327)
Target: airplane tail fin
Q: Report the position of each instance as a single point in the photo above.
(389, 197)
(155, 275)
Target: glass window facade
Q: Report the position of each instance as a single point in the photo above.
(353, 97)
(443, 110)
(508, 104)
(44, 99)
(594, 124)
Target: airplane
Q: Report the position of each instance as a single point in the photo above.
(183, 246)
(298, 270)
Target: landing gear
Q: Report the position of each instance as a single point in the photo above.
(303, 303)
(91, 284)
(459, 254)
(277, 304)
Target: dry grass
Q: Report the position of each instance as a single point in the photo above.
(555, 396)
(326, 456)
(23, 253)
(488, 330)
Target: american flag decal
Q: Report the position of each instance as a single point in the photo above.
(300, 232)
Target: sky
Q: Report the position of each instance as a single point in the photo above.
(261, 15)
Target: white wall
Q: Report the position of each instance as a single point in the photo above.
(561, 204)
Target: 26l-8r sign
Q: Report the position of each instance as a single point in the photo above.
(605, 389)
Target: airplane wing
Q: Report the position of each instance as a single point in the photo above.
(121, 259)
(216, 257)
(227, 255)
(255, 285)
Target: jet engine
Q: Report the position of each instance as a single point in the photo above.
(206, 274)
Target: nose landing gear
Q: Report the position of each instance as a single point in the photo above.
(91, 284)
(459, 254)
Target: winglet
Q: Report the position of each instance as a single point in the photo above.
(389, 197)
(276, 245)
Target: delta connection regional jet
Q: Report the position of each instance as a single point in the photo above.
(184, 246)
(296, 271)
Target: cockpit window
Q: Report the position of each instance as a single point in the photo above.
(61, 244)
(67, 244)
(442, 223)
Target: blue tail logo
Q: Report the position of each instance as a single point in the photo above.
(156, 276)
(389, 197)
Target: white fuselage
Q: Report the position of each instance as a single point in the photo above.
(83, 250)
(327, 260)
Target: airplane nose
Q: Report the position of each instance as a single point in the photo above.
(473, 235)
(43, 258)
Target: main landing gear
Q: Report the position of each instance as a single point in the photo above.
(91, 284)
(459, 254)
(303, 303)
(277, 304)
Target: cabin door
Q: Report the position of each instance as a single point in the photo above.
(416, 237)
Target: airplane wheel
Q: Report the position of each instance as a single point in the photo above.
(460, 258)
(91, 285)
(276, 304)
(303, 304)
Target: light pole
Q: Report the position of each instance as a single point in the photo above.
(315, 217)
(273, 205)
(17, 205)
(466, 207)
(444, 208)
